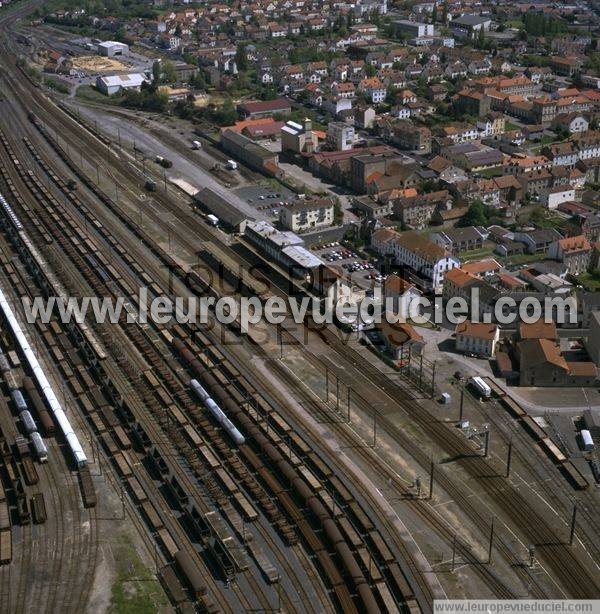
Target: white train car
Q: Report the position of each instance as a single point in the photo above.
(43, 383)
(484, 390)
(40, 447)
(216, 411)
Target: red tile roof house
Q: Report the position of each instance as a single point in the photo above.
(477, 338)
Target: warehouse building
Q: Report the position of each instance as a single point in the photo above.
(110, 49)
(254, 155)
(113, 84)
(229, 216)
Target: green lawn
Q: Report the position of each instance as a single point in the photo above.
(545, 140)
(491, 172)
(87, 92)
(514, 23)
(511, 126)
(590, 282)
(477, 254)
(135, 590)
(525, 258)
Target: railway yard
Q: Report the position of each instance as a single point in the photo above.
(279, 470)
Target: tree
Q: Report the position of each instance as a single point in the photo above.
(168, 72)
(480, 38)
(198, 81)
(156, 72)
(370, 70)
(475, 216)
(226, 114)
(445, 12)
(241, 58)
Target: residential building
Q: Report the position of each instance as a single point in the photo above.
(406, 135)
(537, 241)
(557, 195)
(371, 208)
(542, 364)
(477, 338)
(398, 295)
(592, 344)
(374, 89)
(412, 29)
(340, 136)
(574, 252)
(424, 262)
(458, 240)
(364, 117)
(309, 214)
(460, 283)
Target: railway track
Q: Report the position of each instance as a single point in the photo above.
(175, 529)
(36, 549)
(543, 534)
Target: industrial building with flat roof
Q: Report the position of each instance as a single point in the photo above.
(113, 84)
(215, 204)
(112, 48)
(254, 155)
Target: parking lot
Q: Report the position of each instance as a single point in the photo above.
(266, 199)
(362, 272)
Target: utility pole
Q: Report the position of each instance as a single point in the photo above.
(462, 404)
(337, 394)
(573, 519)
(418, 487)
(326, 384)
(431, 471)
(486, 446)
(509, 457)
(491, 541)
(453, 551)
(433, 379)
(348, 404)
(374, 428)
(279, 595)
(531, 555)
